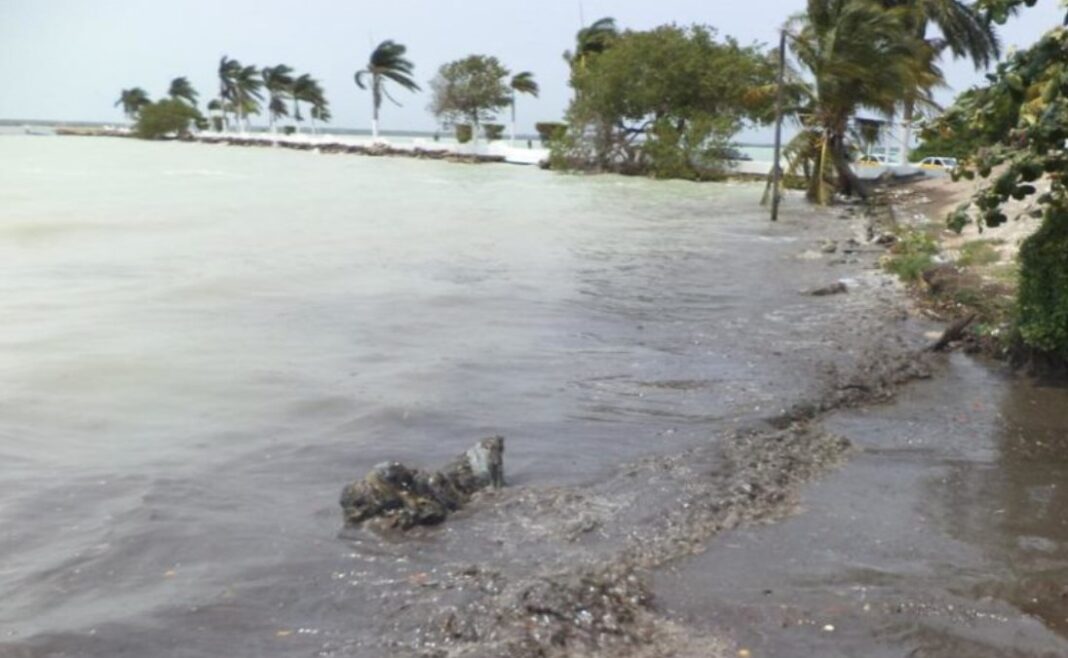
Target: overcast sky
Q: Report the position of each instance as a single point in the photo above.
(68, 59)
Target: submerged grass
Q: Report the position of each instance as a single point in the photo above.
(979, 253)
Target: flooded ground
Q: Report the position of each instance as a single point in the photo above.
(945, 535)
(203, 344)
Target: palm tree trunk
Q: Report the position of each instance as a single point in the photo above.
(852, 183)
(513, 119)
(821, 173)
(376, 102)
(906, 130)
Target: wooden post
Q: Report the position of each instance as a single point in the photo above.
(776, 169)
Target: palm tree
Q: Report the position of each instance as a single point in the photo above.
(228, 72)
(307, 89)
(860, 56)
(522, 83)
(387, 63)
(964, 32)
(132, 100)
(247, 85)
(592, 40)
(181, 89)
(320, 111)
(278, 81)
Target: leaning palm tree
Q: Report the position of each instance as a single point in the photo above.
(591, 41)
(522, 83)
(963, 31)
(306, 89)
(387, 63)
(320, 111)
(180, 89)
(860, 56)
(132, 100)
(278, 81)
(228, 72)
(247, 85)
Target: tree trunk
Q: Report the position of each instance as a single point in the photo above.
(376, 101)
(906, 131)
(513, 120)
(850, 183)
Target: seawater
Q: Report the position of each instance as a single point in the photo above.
(202, 344)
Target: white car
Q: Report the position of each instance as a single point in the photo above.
(938, 163)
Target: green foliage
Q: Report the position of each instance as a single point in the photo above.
(307, 89)
(697, 152)
(523, 83)
(181, 89)
(911, 255)
(493, 131)
(1043, 294)
(165, 118)
(278, 81)
(662, 102)
(464, 132)
(977, 119)
(549, 131)
(472, 89)
(1036, 81)
(132, 101)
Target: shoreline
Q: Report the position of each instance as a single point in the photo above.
(496, 152)
(419, 148)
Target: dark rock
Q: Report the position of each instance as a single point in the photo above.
(836, 288)
(395, 496)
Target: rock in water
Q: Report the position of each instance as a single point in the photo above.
(836, 288)
(395, 496)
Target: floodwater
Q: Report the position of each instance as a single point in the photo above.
(946, 535)
(202, 344)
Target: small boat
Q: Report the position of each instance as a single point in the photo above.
(39, 131)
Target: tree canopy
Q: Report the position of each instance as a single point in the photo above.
(472, 89)
(166, 118)
(664, 101)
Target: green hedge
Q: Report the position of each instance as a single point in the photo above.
(493, 131)
(1043, 296)
(463, 133)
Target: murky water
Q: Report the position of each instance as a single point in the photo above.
(201, 345)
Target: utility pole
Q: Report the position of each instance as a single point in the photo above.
(776, 170)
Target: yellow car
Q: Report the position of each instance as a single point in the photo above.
(871, 161)
(938, 163)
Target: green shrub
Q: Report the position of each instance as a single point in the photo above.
(289, 130)
(1043, 296)
(165, 118)
(463, 132)
(493, 131)
(911, 255)
(549, 131)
